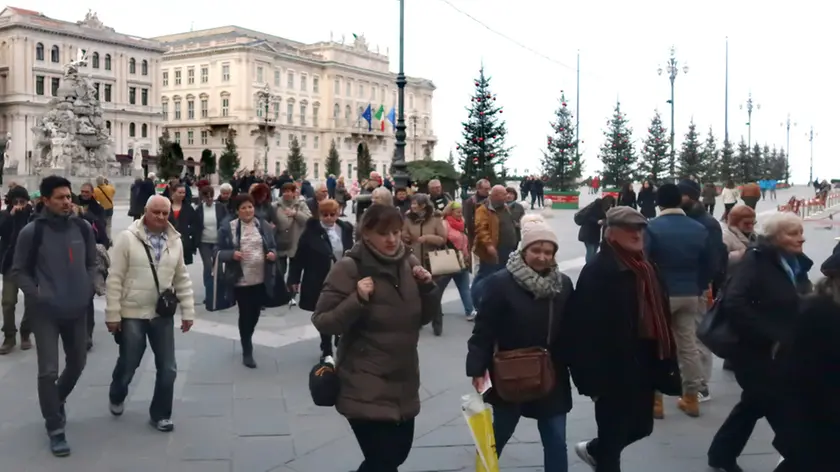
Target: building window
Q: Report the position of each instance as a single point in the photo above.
(225, 72)
(132, 95)
(290, 80)
(303, 141)
(204, 108)
(277, 77)
(39, 85)
(39, 52)
(315, 169)
(108, 127)
(336, 112)
(316, 141)
(190, 76)
(166, 78)
(276, 111)
(225, 106)
(347, 114)
(303, 82)
(372, 92)
(205, 74)
(315, 115)
(279, 139)
(177, 76)
(144, 97)
(95, 60)
(178, 137)
(316, 85)
(177, 109)
(303, 114)
(54, 83)
(107, 62)
(204, 136)
(290, 110)
(144, 67)
(165, 110)
(361, 91)
(108, 92)
(132, 129)
(190, 109)
(349, 170)
(258, 106)
(190, 137)
(96, 87)
(411, 101)
(259, 74)
(55, 56)
(337, 86)
(144, 130)
(132, 66)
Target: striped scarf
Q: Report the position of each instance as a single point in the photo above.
(653, 319)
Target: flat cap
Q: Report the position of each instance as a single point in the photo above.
(625, 216)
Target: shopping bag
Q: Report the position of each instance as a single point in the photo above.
(480, 422)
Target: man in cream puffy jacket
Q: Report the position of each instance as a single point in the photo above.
(131, 299)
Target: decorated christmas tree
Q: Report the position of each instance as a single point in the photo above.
(482, 149)
(296, 163)
(229, 159)
(561, 160)
(333, 164)
(617, 153)
(364, 166)
(710, 159)
(654, 151)
(690, 159)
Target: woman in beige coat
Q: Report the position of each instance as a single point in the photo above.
(739, 232)
(376, 298)
(424, 232)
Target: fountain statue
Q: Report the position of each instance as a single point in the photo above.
(71, 138)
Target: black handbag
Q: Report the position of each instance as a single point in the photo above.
(167, 302)
(715, 330)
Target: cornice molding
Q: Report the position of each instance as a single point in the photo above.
(74, 35)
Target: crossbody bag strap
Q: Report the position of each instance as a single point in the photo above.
(550, 320)
(152, 265)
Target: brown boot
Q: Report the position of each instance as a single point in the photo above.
(658, 407)
(25, 342)
(7, 346)
(689, 405)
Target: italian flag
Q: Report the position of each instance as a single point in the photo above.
(380, 115)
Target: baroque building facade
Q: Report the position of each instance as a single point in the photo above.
(212, 81)
(33, 52)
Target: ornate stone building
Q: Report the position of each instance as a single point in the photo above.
(212, 80)
(33, 51)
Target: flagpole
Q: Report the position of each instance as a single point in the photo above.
(726, 97)
(400, 169)
(577, 111)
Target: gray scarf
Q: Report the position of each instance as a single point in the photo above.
(542, 286)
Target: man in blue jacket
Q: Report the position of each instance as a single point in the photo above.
(678, 245)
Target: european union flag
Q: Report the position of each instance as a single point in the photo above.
(367, 116)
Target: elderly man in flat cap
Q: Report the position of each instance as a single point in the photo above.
(621, 347)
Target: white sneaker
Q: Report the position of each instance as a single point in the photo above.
(471, 316)
(704, 396)
(584, 455)
(116, 410)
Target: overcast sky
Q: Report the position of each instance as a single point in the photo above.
(785, 53)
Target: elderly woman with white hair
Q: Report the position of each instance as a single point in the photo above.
(762, 300)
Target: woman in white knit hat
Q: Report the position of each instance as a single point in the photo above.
(524, 307)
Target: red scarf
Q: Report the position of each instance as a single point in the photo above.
(653, 319)
(455, 223)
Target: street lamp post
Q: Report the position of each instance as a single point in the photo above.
(400, 169)
(672, 68)
(414, 135)
(264, 98)
(810, 136)
(787, 124)
(749, 107)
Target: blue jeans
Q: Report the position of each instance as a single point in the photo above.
(132, 340)
(591, 251)
(485, 269)
(552, 435)
(462, 282)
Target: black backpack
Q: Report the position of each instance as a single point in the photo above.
(38, 238)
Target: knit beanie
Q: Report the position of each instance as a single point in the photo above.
(535, 229)
(668, 196)
(689, 188)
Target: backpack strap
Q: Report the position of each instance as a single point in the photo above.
(38, 239)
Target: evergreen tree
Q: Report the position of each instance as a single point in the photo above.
(784, 165)
(427, 153)
(451, 159)
(691, 164)
(208, 162)
(169, 153)
(756, 165)
(333, 164)
(710, 159)
(768, 160)
(364, 166)
(561, 161)
(482, 149)
(617, 153)
(727, 168)
(654, 151)
(229, 160)
(742, 170)
(296, 163)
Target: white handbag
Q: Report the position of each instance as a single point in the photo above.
(446, 261)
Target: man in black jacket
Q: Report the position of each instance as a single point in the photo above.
(17, 214)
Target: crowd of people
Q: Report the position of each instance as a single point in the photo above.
(372, 286)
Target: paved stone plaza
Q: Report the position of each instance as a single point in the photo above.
(232, 419)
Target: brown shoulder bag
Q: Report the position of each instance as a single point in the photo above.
(525, 374)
